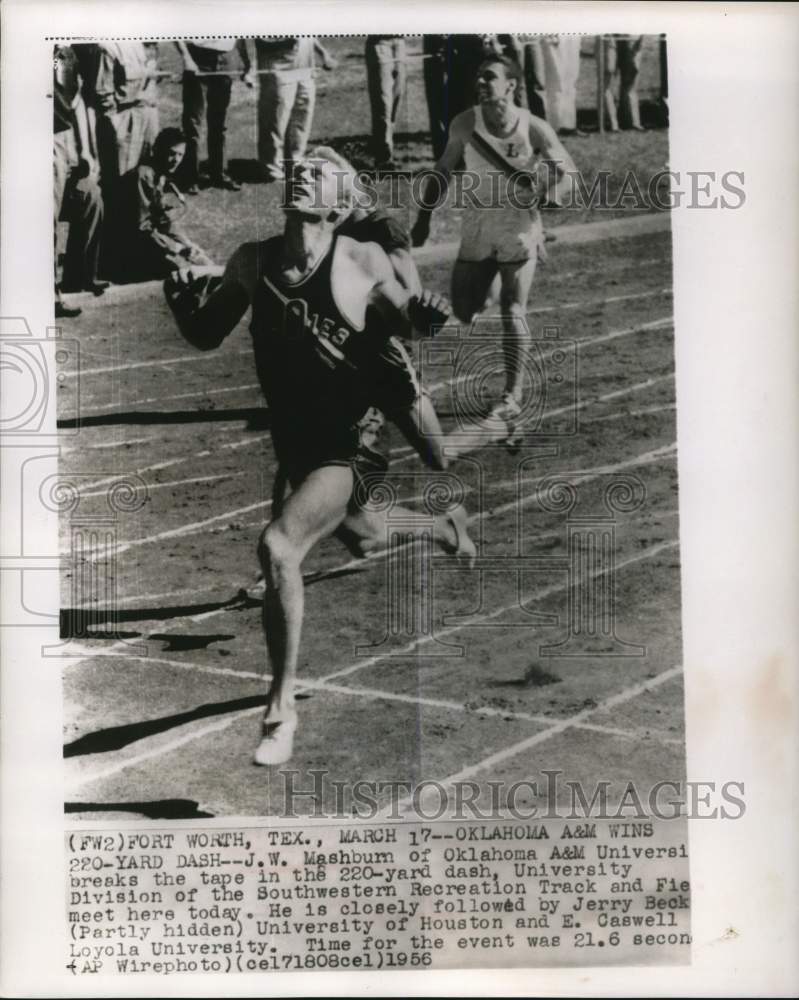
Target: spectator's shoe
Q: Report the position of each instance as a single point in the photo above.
(63, 311)
(98, 288)
(572, 132)
(226, 183)
(192, 189)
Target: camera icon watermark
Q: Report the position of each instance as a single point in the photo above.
(27, 373)
(419, 616)
(466, 366)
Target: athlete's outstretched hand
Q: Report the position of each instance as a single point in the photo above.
(428, 310)
(421, 229)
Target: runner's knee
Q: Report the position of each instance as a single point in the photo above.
(275, 549)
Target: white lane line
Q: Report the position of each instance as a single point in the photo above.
(587, 303)
(630, 734)
(100, 410)
(124, 366)
(555, 727)
(151, 487)
(168, 399)
(100, 445)
(627, 694)
(664, 453)
(453, 448)
(164, 595)
(646, 411)
(412, 647)
(658, 324)
(188, 529)
(185, 529)
(170, 462)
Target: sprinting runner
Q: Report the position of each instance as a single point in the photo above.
(322, 307)
(517, 162)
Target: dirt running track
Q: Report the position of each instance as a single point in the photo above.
(164, 686)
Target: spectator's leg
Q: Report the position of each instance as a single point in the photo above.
(534, 77)
(399, 79)
(629, 67)
(611, 64)
(83, 243)
(136, 131)
(111, 136)
(434, 93)
(380, 79)
(60, 173)
(219, 88)
(570, 71)
(299, 127)
(552, 71)
(275, 101)
(193, 108)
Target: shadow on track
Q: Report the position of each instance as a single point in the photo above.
(75, 622)
(257, 418)
(157, 809)
(117, 737)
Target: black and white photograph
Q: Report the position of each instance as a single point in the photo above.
(359, 422)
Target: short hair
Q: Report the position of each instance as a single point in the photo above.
(166, 139)
(513, 70)
(345, 172)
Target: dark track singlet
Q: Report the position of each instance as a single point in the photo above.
(307, 354)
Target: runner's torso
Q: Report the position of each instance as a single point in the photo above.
(309, 338)
(515, 149)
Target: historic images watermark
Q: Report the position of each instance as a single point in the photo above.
(551, 796)
(660, 191)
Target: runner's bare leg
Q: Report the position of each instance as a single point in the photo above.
(471, 284)
(421, 428)
(313, 511)
(517, 280)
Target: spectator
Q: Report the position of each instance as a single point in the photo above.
(532, 62)
(450, 74)
(286, 97)
(150, 205)
(76, 193)
(386, 78)
(664, 80)
(562, 68)
(623, 57)
(121, 79)
(209, 94)
(435, 88)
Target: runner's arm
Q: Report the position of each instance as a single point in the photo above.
(402, 314)
(434, 189)
(209, 302)
(555, 164)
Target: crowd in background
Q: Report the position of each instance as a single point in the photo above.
(121, 183)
